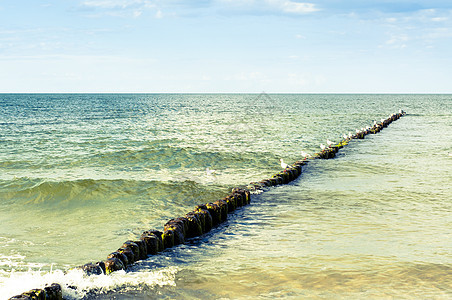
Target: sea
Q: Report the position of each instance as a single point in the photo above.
(82, 173)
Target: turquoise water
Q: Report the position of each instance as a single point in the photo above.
(82, 173)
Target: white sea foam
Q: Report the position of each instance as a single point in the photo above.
(76, 284)
(11, 260)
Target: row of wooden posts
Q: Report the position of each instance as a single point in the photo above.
(198, 221)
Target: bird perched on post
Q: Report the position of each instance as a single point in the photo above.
(283, 164)
(305, 155)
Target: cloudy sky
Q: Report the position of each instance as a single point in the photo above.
(288, 46)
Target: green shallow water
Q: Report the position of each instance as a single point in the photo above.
(83, 173)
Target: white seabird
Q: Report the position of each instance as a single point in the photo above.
(305, 155)
(210, 172)
(283, 164)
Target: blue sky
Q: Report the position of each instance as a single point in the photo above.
(280, 46)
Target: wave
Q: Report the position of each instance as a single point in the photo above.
(142, 159)
(29, 191)
(172, 157)
(76, 285)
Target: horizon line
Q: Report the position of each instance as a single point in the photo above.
(239, 93)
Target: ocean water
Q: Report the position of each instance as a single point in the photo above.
(82, 173)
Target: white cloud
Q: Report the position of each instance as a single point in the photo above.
(137, 13)
(438, 34)
(272, 6)
(296, 7)
(439, 19)
(397, 41)
(134, 8)
(422, 28)
(291, 6)
(117, 4)
(121, 8)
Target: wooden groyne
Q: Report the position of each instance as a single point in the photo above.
(201, 219)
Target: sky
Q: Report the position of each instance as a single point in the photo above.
(226, 46)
